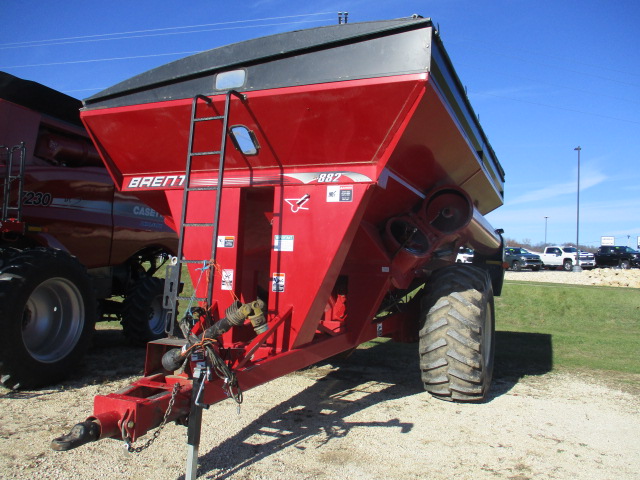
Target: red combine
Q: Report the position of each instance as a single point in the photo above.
(69, 241)
(322, 182)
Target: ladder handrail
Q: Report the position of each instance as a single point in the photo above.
(216, 217)
(9, 178)
(5, 183)
(176, 277)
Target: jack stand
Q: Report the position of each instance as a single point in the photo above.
(194, 426)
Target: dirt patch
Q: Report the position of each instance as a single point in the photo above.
(366, 418)
(611, 277)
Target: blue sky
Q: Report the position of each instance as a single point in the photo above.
(544, 76)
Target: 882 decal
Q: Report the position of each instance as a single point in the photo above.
(329, 177)
(37, 199)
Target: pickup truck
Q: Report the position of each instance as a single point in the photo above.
(465, 255)
(556, 256)
(518, 258)
(617, 256)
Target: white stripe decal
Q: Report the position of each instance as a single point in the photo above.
(388, 173)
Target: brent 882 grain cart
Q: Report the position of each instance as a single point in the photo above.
(318, 177)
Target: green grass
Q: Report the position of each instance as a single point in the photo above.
(541, 327)
(580, 327)
(188, 290)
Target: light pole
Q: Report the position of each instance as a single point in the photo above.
(545, 230)
(577, 267)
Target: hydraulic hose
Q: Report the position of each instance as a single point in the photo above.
(235, 315)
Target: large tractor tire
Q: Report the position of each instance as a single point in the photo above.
(47, 316)
(457, 333)
(6, 254)
(142, 313)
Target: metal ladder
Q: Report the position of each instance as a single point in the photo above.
(7, 161)
(174, 271)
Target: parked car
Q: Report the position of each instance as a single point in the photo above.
(617, 256)
(587, 260)
(518, 258)
(465, 255)
(557, 256)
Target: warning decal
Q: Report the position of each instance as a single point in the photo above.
(283, 243)
(226, 242)
(339, 193)
(227, 279)
(277, 282)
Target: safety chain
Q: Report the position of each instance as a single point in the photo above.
(130, 448)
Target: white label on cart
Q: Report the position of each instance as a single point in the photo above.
(277, 282)
(226, 242)
(227, 279)
(339, 193)
(283, 243)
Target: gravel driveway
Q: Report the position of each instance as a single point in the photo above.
(367, 418)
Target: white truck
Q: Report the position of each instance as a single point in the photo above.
(556, 256)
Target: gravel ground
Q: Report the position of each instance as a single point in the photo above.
(613, 277)
(367, 418)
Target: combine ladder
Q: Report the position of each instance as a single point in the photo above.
(174, 273)
(12, 205)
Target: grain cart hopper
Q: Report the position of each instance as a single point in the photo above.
(316, 177)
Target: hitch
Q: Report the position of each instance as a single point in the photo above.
(84, 432)
(149, 402)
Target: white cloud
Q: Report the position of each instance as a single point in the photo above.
(589, 177)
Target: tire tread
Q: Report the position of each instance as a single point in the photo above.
(453, 316)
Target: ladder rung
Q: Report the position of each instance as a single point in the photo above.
(200, 154)
(198, 299)
(194, 261)
(204, 119)
(197, 224)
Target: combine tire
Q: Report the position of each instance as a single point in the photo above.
(457, 331)
(47, 316)
(142, 314)
(6, 254)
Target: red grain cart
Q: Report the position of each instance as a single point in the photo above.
(318, 180)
